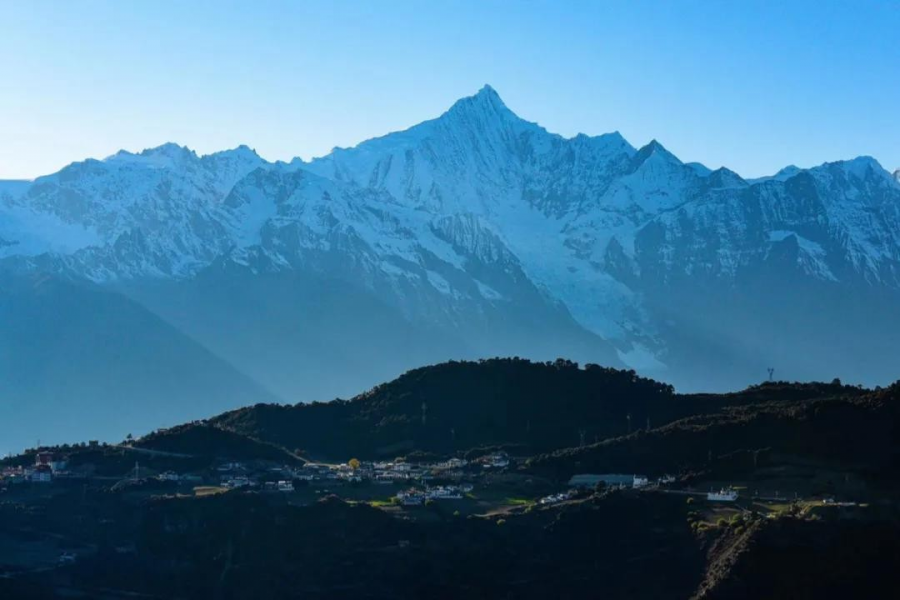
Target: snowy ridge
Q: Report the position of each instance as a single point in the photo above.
(461, 214)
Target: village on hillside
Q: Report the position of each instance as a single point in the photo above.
(399, 482)
(493, 486)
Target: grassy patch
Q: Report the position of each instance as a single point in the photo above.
(776, 507)
(518, 501)
(209, 490)
(380, 503)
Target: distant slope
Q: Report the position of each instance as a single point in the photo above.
(306, 337)
(311, 335)
(77, 362)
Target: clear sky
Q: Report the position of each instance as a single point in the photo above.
(750, 85)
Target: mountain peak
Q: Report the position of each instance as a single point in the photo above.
(860, 168)
(653, 149)
(724, 177)
(488, 91)
(485, 102)
(160, 156)
(866, 161)
(243, 151)
(169, 150)
(787, 172)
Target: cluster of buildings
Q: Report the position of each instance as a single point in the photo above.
(176, 477)
(400, 472)
(47, 465)
(618, 481)
(557, 498)
(259, 475)
(415, 497)
(279, 486)
(723, 495)
(496, 460)
(610, 480)
(237, 475)
(283, 479)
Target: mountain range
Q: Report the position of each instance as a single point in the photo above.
(149, 288)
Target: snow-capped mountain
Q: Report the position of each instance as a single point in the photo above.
(91, 214)
(493, 236)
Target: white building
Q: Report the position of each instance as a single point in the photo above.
(412, 497)
(722, 496)
(498, 460)
(41, 474)
(238, 482)
(453, 463)
(444, 493)
(554, 498)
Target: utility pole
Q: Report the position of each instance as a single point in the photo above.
(771, 374)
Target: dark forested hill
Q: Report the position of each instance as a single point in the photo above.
(532, 407)
(202, 440)
(845, 426)
(460, 405)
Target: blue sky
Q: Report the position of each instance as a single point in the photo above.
(750, 85)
